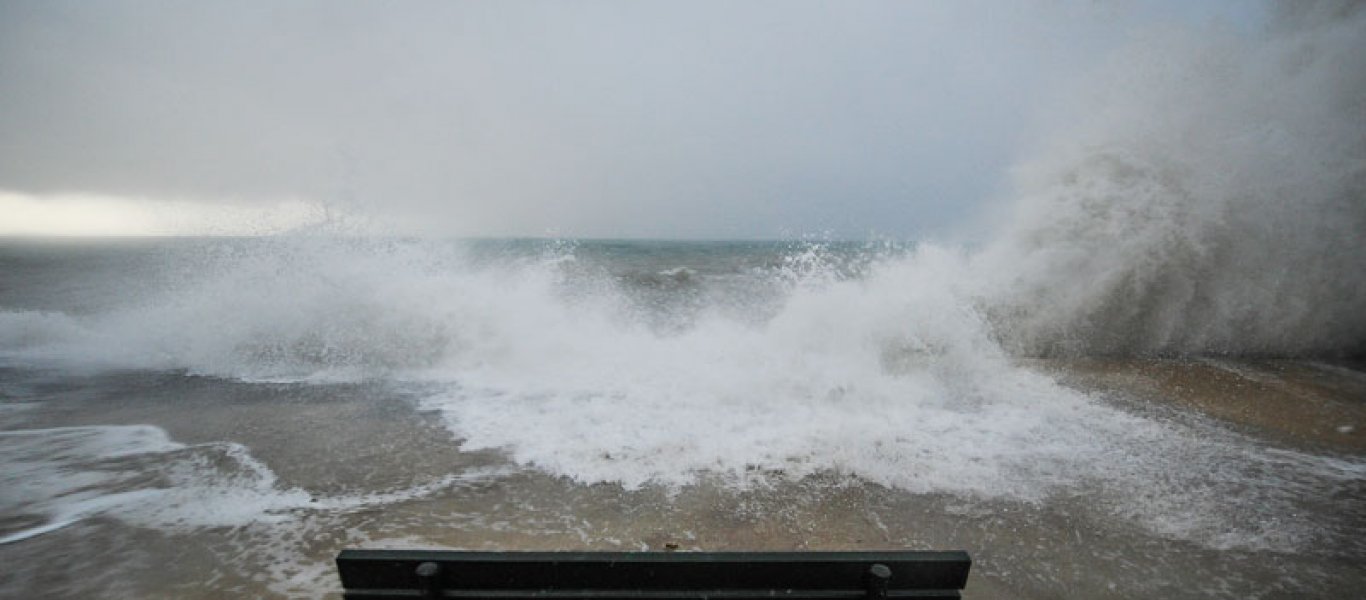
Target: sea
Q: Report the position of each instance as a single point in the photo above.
(1118, 416)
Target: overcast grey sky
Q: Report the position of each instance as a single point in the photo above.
(586, 119)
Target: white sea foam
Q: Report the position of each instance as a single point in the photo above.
(889, 377)
(138, 475)
(134, 473)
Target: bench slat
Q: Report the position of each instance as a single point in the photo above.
(649, 595)
(650, 575)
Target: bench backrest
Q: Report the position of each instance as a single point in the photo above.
(374, 574)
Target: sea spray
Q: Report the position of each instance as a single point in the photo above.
(1210, 199)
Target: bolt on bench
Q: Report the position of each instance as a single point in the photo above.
(388, 574)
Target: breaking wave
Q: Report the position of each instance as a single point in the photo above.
(1211, 201)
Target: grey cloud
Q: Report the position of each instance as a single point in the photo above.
(688, 119)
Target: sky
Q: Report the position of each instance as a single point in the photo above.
(675, 120)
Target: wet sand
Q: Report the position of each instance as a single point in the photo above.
(1315, 404)
(352, 440)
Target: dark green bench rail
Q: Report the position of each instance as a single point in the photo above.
(386, 574)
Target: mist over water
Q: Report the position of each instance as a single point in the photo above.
(1211, 198)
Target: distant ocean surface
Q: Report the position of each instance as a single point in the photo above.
(208, 417)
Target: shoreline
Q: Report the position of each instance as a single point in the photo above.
(359, 460)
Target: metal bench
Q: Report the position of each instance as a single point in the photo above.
(387, 574)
